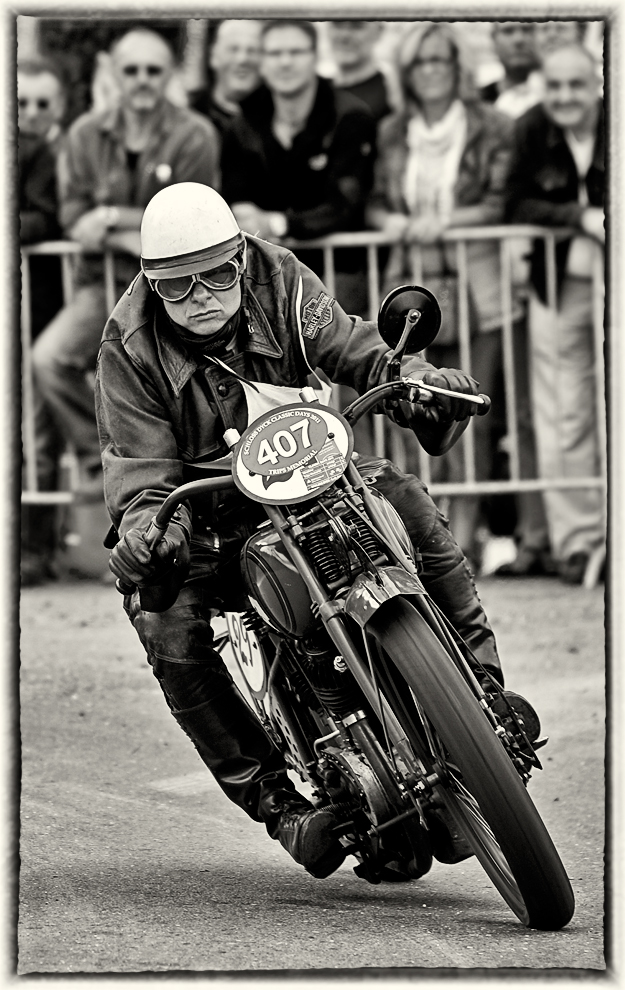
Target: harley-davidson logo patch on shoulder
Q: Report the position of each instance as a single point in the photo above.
(317, 314)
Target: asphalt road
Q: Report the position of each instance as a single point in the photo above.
(132, 860)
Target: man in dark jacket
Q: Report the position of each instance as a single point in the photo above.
(557, 179)
(233, 71)
(298, 161)
(520, 87)
(215, 321)
(352, 43)
(41, 104)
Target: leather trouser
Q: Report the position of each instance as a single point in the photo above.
(208, 706)
(199, 689)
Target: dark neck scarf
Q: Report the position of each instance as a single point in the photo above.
(214, 346)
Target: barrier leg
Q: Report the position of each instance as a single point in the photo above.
(28, 409)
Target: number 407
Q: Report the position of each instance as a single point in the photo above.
(284, 443)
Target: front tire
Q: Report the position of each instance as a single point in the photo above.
(481, 789)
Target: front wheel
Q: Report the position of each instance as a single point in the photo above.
(479, 784)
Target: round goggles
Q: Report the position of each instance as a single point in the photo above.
(216, 279)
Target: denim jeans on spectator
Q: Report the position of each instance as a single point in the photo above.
(564, 405)
(63, 355)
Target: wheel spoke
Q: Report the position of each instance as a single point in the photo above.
(478, 785)
(486, 848)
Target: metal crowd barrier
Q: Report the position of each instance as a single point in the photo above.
(66, 251)
(388, 440)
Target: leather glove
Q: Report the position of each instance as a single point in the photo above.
(134, 563)
(444, 409)
(439, 426)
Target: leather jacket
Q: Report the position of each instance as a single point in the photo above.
(480, 184)
(93, 169)
(162, 412)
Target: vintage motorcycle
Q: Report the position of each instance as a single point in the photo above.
(369, 693)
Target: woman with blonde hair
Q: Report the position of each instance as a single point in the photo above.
(443, 161)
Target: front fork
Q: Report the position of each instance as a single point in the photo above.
(373, 590)
(332, 615)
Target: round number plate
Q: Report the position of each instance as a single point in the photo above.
(292, 453)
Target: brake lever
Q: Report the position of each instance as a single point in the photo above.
(427, 393)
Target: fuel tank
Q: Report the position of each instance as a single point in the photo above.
(275, 587)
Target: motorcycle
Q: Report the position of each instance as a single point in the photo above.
(372, 697)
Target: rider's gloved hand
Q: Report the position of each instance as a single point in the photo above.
(444, 409)
(134, 563)
(439, 425)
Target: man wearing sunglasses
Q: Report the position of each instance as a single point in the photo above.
(217, 322)
(40, 108)
(111, 165)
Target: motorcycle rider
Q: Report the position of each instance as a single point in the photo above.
(217, 323)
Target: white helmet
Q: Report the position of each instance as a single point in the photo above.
(186, 228)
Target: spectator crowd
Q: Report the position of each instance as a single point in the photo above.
(409, 146)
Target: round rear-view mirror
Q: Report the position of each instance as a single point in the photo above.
(396, 307)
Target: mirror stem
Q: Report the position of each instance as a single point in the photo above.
(393, 372)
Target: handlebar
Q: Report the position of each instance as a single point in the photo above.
(159, 522)
(414, 390)
(482, 401)
(408, 388)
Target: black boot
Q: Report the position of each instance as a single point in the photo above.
(308, 837)
(252, 773)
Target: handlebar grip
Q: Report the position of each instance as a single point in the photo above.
(484, 408)
(153, 535)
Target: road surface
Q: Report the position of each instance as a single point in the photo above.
(132, 860)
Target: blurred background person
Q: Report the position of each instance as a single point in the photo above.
(40, 99)
(558, 179)
(443, 162)
(40, 109)
(78, 44)
(233, 71)
(41, 105)
(553, 34)
(106, 94)
(520, 87)
(358, 71)
(298, 160)
(352, 44)
(111, 164)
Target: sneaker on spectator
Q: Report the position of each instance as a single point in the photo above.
(528, 563)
